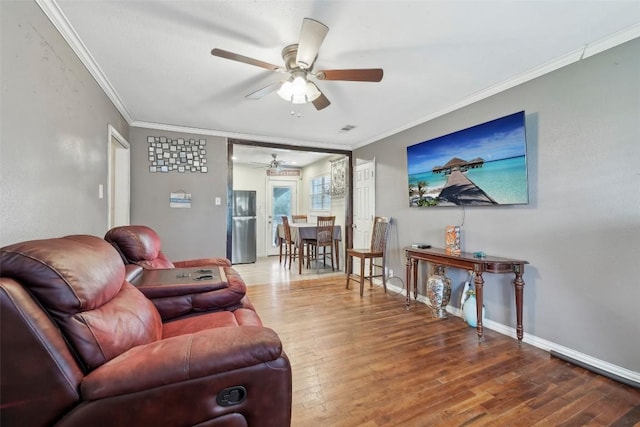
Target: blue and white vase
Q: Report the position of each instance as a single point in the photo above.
(470, 312)
(439, 291)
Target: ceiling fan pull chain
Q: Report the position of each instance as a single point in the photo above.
(293, 109)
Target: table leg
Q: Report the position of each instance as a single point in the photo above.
(280, 240)
(408, 275)
(415, 278)
(337, 249)
(300, 257)
(518, 283)
(479, 283)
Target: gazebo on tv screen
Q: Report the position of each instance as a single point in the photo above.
(484, 165)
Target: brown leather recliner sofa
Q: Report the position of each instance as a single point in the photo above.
(81, 346)
(141, 245)
(140, 249)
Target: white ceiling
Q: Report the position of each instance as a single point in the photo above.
(153, 58)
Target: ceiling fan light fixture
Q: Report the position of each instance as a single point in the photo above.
(298, 90)
(312, 92)
(286, 90)
(299, 84)
(294, 90)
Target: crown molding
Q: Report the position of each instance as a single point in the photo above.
(60, 21)
(574, 56)
(237, 135)
(611, 41)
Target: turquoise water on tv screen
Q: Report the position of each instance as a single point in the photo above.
(504, 180)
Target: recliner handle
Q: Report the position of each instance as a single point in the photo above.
(232, 396)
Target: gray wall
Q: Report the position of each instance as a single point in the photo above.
(199, 231)
(53, 138)
(581, 230)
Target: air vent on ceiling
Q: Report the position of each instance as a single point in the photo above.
(347, 128)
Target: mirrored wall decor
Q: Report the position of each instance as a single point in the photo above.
(338, 178)
(177, 155)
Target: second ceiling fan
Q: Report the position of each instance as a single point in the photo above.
(299, 60)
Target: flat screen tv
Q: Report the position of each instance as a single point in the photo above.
(484, 165)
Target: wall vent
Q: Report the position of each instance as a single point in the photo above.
(347, 128)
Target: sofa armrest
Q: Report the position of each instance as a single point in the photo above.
(182, 358)
(223, 262)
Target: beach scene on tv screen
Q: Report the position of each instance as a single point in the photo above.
(482, 165)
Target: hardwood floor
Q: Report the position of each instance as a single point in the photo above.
(370, 362)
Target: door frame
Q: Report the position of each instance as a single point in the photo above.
(348, 236)
(118, 165)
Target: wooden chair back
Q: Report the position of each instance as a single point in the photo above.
(298, 218)
(286, 228)
(379, 234)
(324, 236)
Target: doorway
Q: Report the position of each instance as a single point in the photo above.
(118, 184)
(282, 199)
(347, 237)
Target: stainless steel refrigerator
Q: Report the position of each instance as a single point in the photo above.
(243, 232)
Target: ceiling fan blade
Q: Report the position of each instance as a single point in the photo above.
(355, 75)
(312, 35)
(241, 58)
(321, 102)
(261, 93)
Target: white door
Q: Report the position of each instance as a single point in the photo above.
(364, 206)
(118, 190)
(282, 199)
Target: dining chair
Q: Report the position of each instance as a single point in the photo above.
(298, 218)
(291, 249)
(324, 240)
(301, 219)
(375, 251)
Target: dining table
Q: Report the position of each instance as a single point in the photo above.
(302, 231)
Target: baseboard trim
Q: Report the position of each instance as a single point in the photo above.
(601, 367)
(590, 367)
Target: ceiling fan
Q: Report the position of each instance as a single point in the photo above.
(299, 60)
(274, 164)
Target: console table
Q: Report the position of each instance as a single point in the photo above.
(468, 261)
